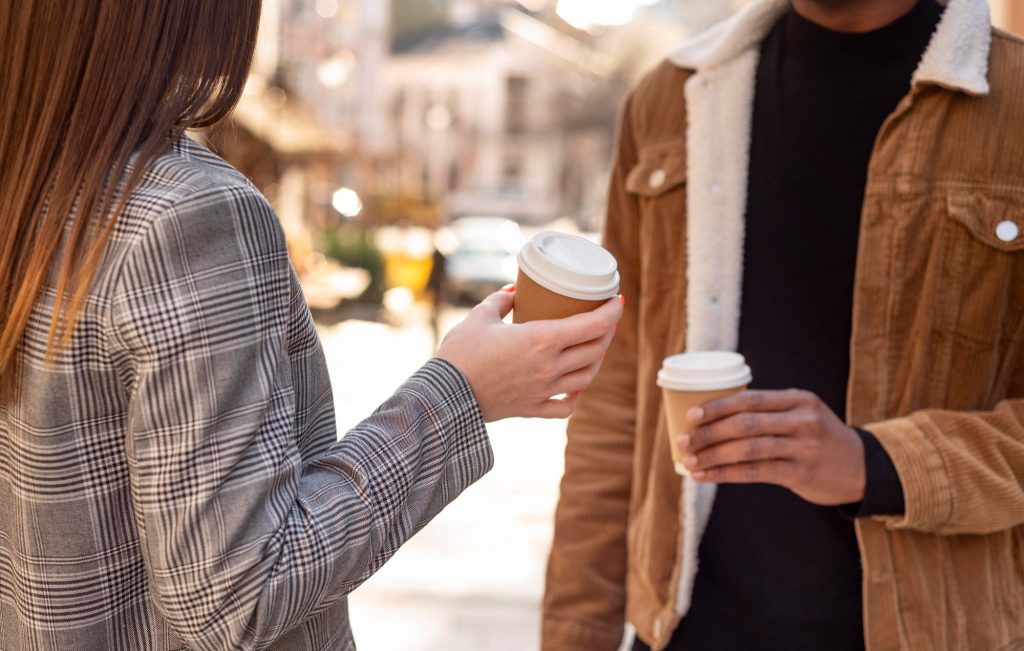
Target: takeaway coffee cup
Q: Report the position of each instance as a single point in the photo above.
(563, 275)
(693, 379)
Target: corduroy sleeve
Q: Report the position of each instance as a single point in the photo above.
(962, 473)
(584, 601)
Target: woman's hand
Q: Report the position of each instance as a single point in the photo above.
(788, 438)
(516, 369)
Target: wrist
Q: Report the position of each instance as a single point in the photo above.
(857, 487)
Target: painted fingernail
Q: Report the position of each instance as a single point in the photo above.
(509, 289)
(695, 415)
(623, 300)
(700, 474)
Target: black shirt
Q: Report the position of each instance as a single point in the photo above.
(777, 572)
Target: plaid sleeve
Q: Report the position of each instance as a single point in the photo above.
(243, 538)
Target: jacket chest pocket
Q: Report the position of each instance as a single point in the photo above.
(995, 223)
(984, 237)
(956, 293)
(658, 185)
(986, 247)
(660, 172)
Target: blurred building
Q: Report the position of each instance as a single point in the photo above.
(295, 131)
(431, 109)
(508, 107)
(495, 112)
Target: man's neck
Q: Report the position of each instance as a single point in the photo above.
(853, 16)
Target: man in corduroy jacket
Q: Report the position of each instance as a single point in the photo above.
(835, 189)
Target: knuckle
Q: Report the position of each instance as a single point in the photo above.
(748, 424)
(754, 448)
(755, 400)
(811, 448)
(817, 420)
(702, 435)
(709, 457)
(545, 341)
(808, 422)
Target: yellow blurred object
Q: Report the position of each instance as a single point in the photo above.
(407, 270)
(408, 256)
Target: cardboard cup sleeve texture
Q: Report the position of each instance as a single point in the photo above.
(693, 379)
(563, 275)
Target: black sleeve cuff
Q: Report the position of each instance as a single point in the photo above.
(883, 492)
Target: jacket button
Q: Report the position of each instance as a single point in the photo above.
(657, 179)
(1007, 231)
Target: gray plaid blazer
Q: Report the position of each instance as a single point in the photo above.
(173, 479)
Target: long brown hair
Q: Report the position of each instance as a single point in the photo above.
(85, 85)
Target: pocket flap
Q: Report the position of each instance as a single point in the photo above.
(996, 221)
(661, 169)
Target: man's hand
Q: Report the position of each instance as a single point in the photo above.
(789, 438)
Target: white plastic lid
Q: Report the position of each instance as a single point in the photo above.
(705, 371)
(571, 266)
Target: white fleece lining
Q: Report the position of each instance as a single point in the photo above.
(717, 167)
(957, 57)
(719, 99)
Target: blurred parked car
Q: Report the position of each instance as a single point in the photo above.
(482, 259)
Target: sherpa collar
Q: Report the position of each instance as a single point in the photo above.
(956, 58)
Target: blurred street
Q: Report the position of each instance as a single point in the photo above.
(473, 579)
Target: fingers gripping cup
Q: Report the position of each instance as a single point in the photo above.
(563, 275)
(693, 379)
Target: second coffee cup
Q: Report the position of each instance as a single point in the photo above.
(562, 275)
(693, 379)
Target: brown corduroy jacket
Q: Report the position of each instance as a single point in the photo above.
(937, 347)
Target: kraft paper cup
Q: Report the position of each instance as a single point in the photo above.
(563, 275)
(693, 379)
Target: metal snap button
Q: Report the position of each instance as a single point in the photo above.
(657, 179)
(1007, 231)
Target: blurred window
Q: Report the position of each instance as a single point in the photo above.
(516, 108)
(512, 171)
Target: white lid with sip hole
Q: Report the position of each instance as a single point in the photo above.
(570, 265)
(704, 371)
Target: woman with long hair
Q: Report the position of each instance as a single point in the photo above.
(171, 474)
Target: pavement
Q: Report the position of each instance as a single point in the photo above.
(473, 578)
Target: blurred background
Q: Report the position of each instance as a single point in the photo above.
(409, 147)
